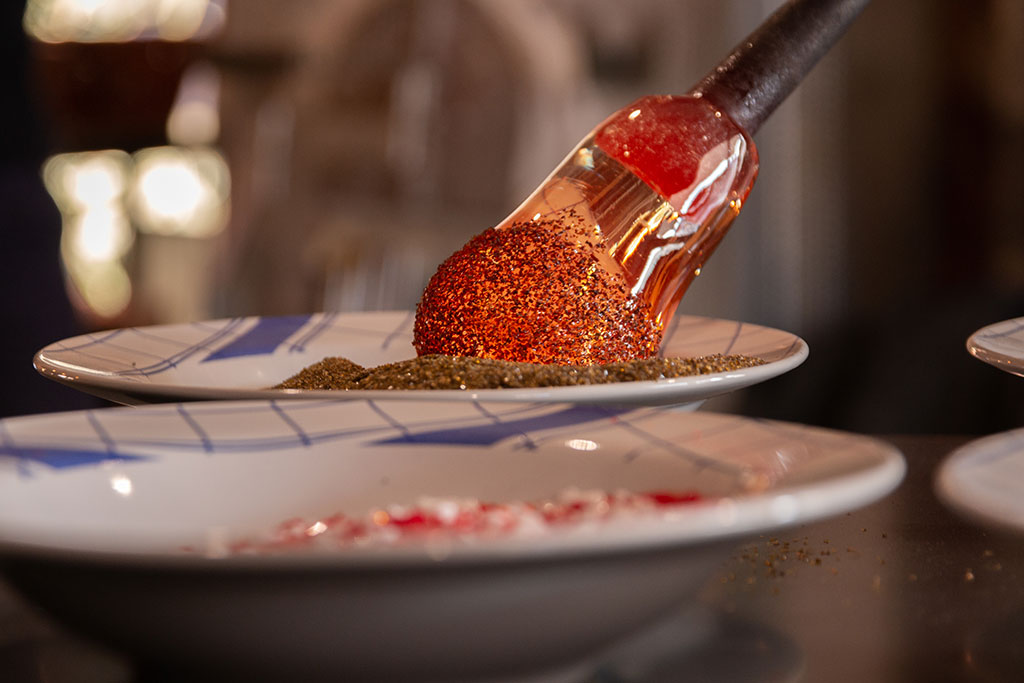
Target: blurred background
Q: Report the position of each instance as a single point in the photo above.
(174, 160)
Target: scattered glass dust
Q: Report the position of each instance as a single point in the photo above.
(465, 373)
(459, 518)
(776, 558)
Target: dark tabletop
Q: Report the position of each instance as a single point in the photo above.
(902, 590)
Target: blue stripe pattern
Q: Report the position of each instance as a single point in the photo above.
(263, 339)
(495, 432)
(63, 458)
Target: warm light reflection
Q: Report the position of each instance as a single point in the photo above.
(179, 19)
(97, 182)
(585, 157)
(582, 444)
(99, 234)
(179, 191)
(170, 189)
(653, 257)
(104, 287)
(88, 189)
(85, 21)
(104, 196)
(56, 21)
(194, 118)
(85, 180)
(316, 528)
(121, 484)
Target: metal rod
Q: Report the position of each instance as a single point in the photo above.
(765, 68)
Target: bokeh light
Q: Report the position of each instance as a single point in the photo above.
(88, 21)
(98, 235)
(88, 189)
(88, 179)
(105, 287)
(179, 19)
(106, 197)
(179, 191)
(194, 118)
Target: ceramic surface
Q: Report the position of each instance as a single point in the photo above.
(241, 358)
(984, 480)
(119, 522)
(1000, 344)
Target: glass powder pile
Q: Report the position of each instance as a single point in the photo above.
(435, 518)
(534, 292)
(435, 371)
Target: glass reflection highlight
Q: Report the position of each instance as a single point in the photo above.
(121, 484)
(582, 444)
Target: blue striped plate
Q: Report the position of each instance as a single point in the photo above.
(240, 358)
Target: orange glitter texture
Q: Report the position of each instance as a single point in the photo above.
(533, 292)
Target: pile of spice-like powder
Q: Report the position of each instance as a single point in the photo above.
(460, 372)
(534, 291)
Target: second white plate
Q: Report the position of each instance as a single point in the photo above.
(240, 358)
(984, 480)
(122, 522)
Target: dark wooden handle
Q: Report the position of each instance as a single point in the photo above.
(766, 67)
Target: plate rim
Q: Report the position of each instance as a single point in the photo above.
(665, 389)
(948, 484)
(880, 472)
(1005, 362)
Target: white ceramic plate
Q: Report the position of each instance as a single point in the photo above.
(1000, 344)
(239, 358)
(96, 507)
(984, 480)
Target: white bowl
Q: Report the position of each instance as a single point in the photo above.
(96, 508)
(242, 358)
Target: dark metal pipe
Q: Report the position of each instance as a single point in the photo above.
(765, 68)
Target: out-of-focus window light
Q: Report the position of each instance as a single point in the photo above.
(87, 21)
(195, 117)
(179, 191)
(184, 19)
(105, 288)
(88, 189)
(79, 182)
(98, 235)
(105, 196)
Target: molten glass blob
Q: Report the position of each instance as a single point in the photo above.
(592, 266)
